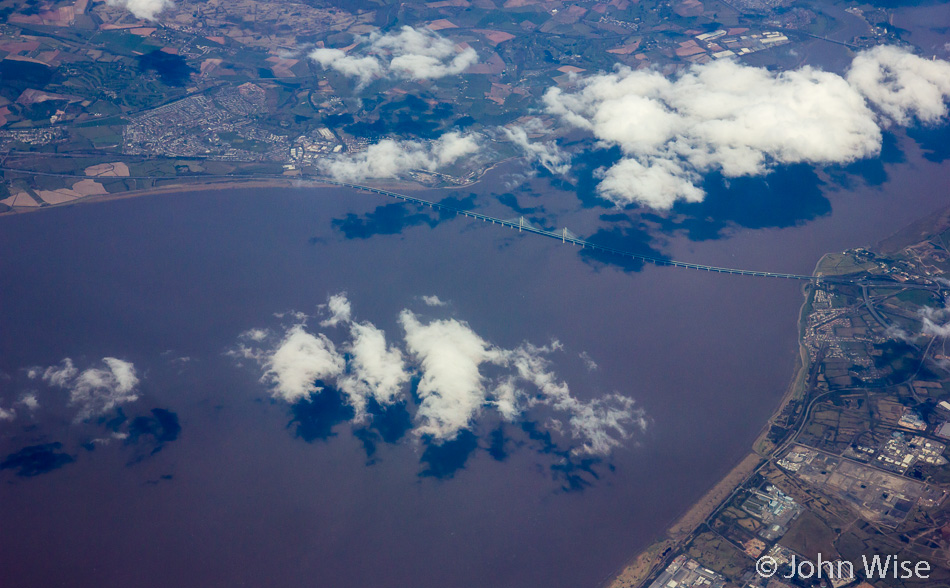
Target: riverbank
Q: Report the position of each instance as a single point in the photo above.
(205, 183)
(176, 188)
(656, 556)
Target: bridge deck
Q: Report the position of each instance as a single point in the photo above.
(584, 243)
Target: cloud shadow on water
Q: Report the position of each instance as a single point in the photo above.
(498, 444)
(574, 473)
(314, 418)
(151, 434)
(115, 421)
(444, 459)
(934, 141)
(388, 424)
(388, 219)
(395, 217)
(789, 196)
(635, 237)
(160, 479)
(511, 201)
(871, 170)
(584, 168)
(467, 203)
(36, 459)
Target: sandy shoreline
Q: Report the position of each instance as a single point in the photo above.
(207, 184)
(648, 561)
(203, 186)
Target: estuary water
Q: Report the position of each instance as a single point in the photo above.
(205, 480)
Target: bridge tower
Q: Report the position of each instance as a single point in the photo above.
(568, 235)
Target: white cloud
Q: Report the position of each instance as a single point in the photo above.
(257, 335)
(7, 415)
(547, 153)
(937, 330)
(298, 361)
(115, 436)
(243, 351)
(364, 68)
(59, 375)
(30, 401)
(936, 322)
(452, 390)
(416, 54)
(423, 54)
(146, 9)
(531, 365)
(895, 332)
(601, 424)
(339, 307)
(508, 399)
(95, 390)
(294, 364)
(296, 315)
(98, 391)
(375, 370)
(589, 362)
(433, 301)
(657, 184)
(901, 85)
(740, 120)
(390, 158)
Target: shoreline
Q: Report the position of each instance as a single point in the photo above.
(654, 557)
(801, 371)
(207, 184)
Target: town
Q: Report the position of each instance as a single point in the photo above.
(856, 460)
(226, 90)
